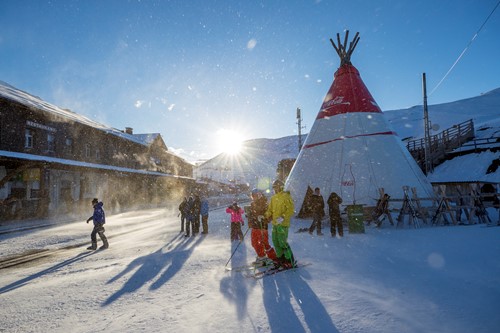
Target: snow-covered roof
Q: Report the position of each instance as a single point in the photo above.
(31, 157)
(147, 138)
(9, 92)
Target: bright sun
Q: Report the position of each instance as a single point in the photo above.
(230, 142)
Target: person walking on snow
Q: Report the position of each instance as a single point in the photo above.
(318, 211)
(334, 211)
(259, 225)
(99, 218)
(236, 221)
(204, 215)
(279, 212)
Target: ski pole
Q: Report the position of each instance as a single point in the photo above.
(237, 246)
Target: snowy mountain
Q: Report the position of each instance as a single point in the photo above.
(258, 161)
(483, 109)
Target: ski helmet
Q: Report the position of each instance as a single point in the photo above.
(278, 184)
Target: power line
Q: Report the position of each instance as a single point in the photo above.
(465, 50)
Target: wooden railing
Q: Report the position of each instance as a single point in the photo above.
(442, 143)
(477, 144)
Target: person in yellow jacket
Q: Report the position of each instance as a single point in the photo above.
(279, 212)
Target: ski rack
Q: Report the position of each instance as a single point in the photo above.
(478, 207)
(412, 209)
(442, 209)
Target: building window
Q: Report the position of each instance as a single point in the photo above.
(87, 151)
(97, 154)
(69, 144)
(51, 143)
(28, 138)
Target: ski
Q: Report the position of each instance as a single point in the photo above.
(251, 265)
(491, 225)
(275, 270)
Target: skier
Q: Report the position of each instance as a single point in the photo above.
(236, 221)
(334, 211)
(318, 211)
(260, 235)
(182, 212)
(279, 212)
(204, 215)
(99, 218)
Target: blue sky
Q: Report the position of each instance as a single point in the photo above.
(189, 69)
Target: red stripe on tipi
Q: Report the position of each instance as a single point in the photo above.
(348, 137)
(347, 94)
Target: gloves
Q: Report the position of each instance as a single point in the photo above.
(280, 220)
(260, 218)
(88, 221)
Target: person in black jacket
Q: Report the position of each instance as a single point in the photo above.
(334, 211)
(190, 215)
(196, 214)
(318, 211)
(183, 212)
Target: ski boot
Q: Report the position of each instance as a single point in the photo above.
(105, 244)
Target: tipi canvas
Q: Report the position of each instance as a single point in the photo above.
(351, 149)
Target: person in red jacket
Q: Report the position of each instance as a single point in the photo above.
(259, 225)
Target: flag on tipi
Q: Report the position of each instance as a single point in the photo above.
(351, 149)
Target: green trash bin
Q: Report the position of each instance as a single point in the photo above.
(355, 219)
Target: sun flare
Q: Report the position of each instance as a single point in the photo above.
(229, 141)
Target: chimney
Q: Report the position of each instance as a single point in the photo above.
(129, 130)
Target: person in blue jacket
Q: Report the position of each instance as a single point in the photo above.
(99, 218)
(204, 215)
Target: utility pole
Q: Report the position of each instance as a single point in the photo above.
(299, 123)
(427, 138)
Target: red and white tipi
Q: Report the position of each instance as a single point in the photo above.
(351, 149)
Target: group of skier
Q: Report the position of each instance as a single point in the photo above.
(279, 212)
(190, 211)
(259, 214)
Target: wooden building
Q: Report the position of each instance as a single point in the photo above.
(54, 161)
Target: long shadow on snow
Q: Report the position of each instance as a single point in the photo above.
(280, 291)
(234, 287)
(153, 264)
(22, 282)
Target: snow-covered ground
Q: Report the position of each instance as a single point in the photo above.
(153, 279)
